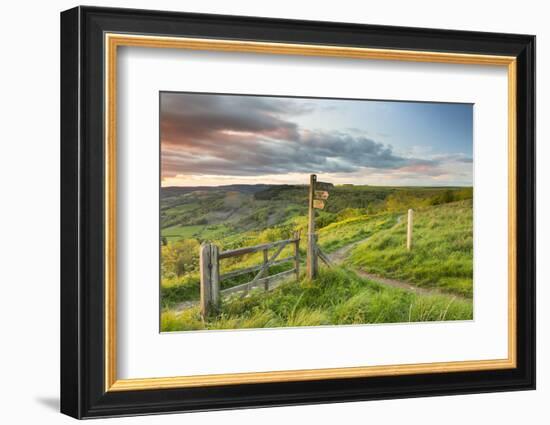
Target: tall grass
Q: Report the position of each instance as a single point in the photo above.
(442, 253)
(337, 297)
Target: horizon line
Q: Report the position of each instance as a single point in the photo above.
(306, 184)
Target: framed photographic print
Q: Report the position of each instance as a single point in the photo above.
(261, 212)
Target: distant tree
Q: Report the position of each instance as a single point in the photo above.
(447, 196)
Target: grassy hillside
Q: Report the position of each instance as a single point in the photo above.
(218, 212)
(442, 249)
(367, 221)
(355, 228)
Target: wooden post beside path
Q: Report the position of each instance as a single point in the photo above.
(409, 229)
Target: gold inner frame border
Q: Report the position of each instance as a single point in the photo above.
(112, 41)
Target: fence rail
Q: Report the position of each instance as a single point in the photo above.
(210, 277)
(255, 248)
(250, 285)
(236, 273)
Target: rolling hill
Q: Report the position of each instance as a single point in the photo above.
(363, 222)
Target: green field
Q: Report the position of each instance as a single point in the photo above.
(442, 250)
(175, 233)
(363, 227)
(341, 233)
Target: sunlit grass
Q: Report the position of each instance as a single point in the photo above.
(341, 233)
(441, 258)
(193, 231)
(337, 297)
(442, 253)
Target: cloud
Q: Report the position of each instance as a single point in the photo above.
(249, 136)
(455, 157)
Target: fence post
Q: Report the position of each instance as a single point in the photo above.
(316, 252)
(214, 276)
(311, 262)
(409, 229)
(266, 259)
(297, 255)
(204, 267)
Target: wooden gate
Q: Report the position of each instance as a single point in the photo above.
(210, 277)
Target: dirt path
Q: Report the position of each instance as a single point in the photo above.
(401, 284)
(184, 306)
(340, 255)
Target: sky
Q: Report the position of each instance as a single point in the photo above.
(220, 139)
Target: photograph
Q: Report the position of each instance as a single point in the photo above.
(280, 211)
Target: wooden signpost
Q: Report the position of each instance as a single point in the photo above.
(311, 261)
(317, 200)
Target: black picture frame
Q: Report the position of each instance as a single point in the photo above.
(83, 392)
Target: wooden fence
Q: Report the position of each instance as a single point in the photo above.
(210, 277)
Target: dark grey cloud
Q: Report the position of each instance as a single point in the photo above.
(247, 136)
